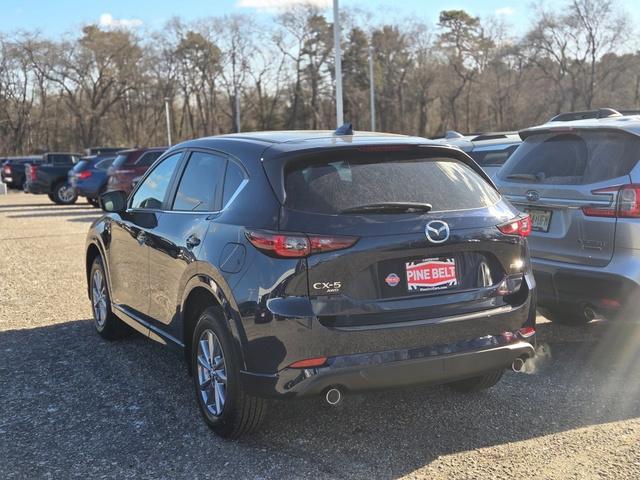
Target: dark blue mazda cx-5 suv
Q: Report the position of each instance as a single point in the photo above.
(287, 264)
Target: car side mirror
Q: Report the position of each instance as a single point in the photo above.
(115, 201)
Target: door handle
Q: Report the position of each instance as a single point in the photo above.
(192, 241)
(142, 237)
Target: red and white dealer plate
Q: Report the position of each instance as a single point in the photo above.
(431, 274)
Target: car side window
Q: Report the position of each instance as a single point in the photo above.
(153, 188)
(200, 183)
(147, 159)
(232, 181)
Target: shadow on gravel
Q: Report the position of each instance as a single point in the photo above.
(83, 219)
(54, 213)
(51, 208)
(27, 205)
(74, 404)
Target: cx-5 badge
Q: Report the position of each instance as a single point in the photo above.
(437, 231)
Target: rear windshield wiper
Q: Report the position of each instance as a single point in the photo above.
(390, 207)
(523, 176)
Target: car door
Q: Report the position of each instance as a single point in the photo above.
(175, 242)
(128, 250)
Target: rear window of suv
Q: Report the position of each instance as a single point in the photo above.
(329, 186)
(579, 157)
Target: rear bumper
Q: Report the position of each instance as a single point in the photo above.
(35, 188)
(384, 370)
(570, 287)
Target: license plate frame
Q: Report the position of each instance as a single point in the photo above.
(539, 213)
(431, 274)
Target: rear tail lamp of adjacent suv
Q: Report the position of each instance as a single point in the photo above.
(84, 174)
(624, 204)
(32, 169)
(296, 245)
(7, 170)
(518, 226)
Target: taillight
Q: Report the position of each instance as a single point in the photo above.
(518, 226)
(6, 169)
(296, 245)
(84, 174)
(32, 172)
(625, 202)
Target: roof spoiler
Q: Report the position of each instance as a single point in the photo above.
(492, 136)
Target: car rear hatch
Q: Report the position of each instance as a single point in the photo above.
(569, 181)
(380, 255)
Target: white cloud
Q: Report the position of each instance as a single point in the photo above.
(107, 21)
(506, 11)
(280, 4)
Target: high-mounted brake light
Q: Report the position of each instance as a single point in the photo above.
(625, 202)
(296, 245)
(518, 226)
(84, 174)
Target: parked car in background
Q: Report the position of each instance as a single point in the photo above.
(490, 150)
(12, 170)
(50, 177)
(579, 180)
(314, 263)
(89, 177)
(129, 165)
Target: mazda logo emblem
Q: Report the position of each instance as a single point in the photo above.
(437, 231)
(532, 196)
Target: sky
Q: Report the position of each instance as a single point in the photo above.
(55, 17)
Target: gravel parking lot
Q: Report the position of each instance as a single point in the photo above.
(72, 404)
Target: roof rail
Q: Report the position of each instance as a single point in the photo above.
(589, 114)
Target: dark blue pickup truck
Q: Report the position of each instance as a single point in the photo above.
(50, 177)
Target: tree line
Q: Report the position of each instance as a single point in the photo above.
(108, 86)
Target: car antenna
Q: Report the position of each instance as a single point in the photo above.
(344, 129)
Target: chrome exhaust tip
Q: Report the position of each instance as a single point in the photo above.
(589, 313)
(518, 365)
(333, 396)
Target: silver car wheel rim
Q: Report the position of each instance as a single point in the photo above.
(66, 193)
(212, 373)
(99, 298)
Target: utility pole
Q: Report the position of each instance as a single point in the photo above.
(372, 90)
(237, 109)
(167, 114)
(338, 55)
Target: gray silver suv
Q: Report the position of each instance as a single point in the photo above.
(580, 183)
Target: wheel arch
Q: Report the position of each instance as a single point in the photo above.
(202, 292)
(93, 252)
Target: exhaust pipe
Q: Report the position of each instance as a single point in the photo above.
(589, 313)
(333, 396)
(518, 365)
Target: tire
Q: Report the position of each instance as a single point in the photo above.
(50, 195)
(475, 384)
(564, 317)
(94, 202)
(226, 408)
(61, 194)
(107, 324)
